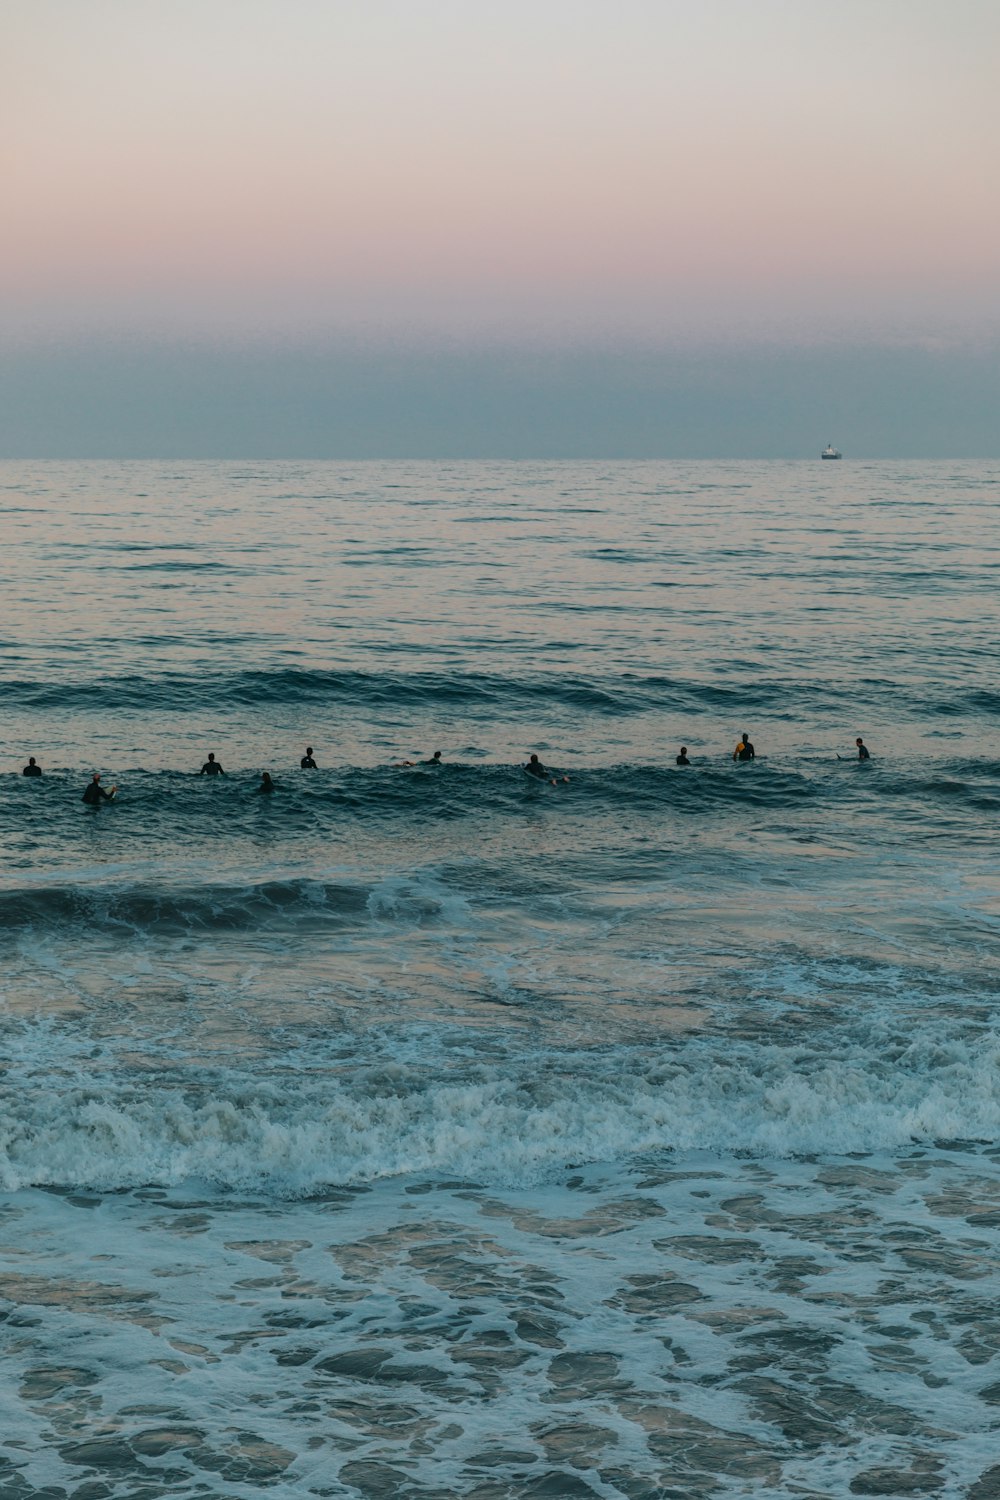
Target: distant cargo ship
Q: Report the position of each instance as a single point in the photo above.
(831, 452)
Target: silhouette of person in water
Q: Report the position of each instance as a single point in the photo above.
(266, 784)
(744, 750)
(403, 765)
(862, 749)
(542, 773)
(95, 794)
(682, 759)
(31, 769)
(211, 767)
(307, 763)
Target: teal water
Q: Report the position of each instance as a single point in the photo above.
(427, 1131)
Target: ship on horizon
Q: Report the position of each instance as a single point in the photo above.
(831, 452)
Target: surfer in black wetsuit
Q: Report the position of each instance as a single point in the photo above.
(862, 749)
(744, 750)
(682, 759)
(95, 794)
(266, 784)
(406, 765)
(542, 773)
(211, 767)
(31, 769)
(307, 763)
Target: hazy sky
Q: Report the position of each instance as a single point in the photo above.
(782, 214)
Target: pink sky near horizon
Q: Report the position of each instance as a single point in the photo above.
(474, 164)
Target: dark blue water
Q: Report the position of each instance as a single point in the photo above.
(431, 1131)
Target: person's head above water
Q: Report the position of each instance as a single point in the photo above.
(309, 749)
(859, 740)
(436, 755)
(534, 759)
(96, 776)
(31, 758)
(211, 755)
(684, 749)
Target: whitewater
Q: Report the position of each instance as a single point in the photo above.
(425, 1131)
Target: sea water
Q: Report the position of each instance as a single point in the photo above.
(432, 1132)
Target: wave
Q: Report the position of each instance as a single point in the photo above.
(272, 905)
(298, 1135)
(147, 910)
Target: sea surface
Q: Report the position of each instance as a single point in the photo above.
(429, 1132)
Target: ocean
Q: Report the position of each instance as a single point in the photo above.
(433, 1132)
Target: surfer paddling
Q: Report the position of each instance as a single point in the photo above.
(542, 773)
(432, 760)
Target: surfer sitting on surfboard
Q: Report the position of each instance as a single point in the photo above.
(95, 793)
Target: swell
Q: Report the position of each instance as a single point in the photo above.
(180, 813)
(181, 692)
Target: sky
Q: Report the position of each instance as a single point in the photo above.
(462, 228)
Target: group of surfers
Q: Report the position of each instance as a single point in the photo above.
(95, 793)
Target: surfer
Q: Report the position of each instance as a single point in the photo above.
(211, 767)
(863, 752)
(744, 750)
(266, 784)
(31, 769)
(307, 763)
(95, 794)
(542, 773)
(682, 759)
(404, 765)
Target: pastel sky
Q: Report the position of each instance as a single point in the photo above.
(683, 180)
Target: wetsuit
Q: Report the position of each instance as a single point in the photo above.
(744, 751)
(535, 768)
(95, 795)
(863, 753)
(32, 771)
(435, 760)
(212, 768)
(308, 764)
(682, 760)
